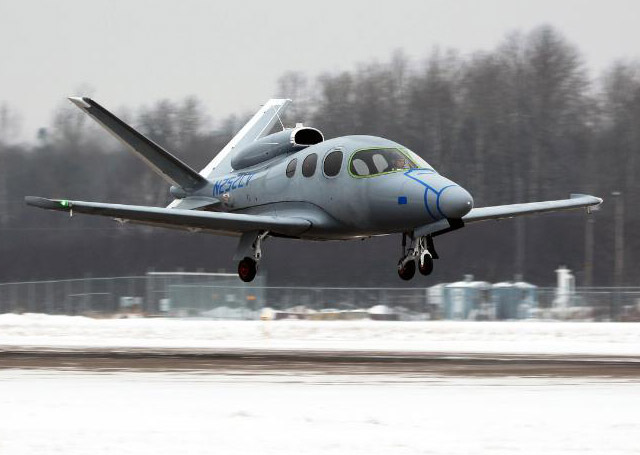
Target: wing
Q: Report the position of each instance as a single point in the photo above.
(497, 212)
(259, 125)
(216, 222)
(162, 162)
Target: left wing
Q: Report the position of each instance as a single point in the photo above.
(194, 220)
(497, 212)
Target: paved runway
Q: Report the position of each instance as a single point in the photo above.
(260, 361)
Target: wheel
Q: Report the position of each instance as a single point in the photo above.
(407, 271)
(426, 265)
(247, 269)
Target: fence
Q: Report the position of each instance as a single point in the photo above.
(223, 296)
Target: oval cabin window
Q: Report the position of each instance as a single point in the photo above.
(309, 165)
(333, 163)
(291, 168)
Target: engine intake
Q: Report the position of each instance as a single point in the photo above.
(280, 143)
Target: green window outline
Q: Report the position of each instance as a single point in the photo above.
(382, 173)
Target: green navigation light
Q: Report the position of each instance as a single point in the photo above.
(64, 203)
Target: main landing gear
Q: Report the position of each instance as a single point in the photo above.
(249, 252)
(420, 255)
(247, 269)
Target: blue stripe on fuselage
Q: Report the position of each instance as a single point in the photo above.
(427, 188)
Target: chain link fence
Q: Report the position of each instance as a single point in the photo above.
(223, 296)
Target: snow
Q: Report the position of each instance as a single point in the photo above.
(46, 412)
(275, 411)
(528, 337)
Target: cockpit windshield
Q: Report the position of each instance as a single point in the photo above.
(370, 162)
(422, 164)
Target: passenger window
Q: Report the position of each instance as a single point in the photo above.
(370, 162)
(333, 163)
(291, 168)
(309, 165)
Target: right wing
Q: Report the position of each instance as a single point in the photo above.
(509, 211)
(193, 220)
(256, 128)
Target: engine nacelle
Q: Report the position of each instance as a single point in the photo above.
(266, 148)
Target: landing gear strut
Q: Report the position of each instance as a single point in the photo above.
(420, 251)
(249, 252)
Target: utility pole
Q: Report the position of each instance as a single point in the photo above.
(589, 243)
(521, 234)
(618, 268)
(520, 245)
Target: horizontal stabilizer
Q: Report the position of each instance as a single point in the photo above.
(497, 212)
(217, 222)
(164, 163)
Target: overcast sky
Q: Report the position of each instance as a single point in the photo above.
(230, 54)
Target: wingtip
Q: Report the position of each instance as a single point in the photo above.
(80, 101)
(595, 200)
(44, 203)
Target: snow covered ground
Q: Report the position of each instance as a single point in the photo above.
(314, 411)
(31, 330)
(60, 412)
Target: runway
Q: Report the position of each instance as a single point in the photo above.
(260, 361)
(70, 385)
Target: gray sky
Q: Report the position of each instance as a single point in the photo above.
(230, 54)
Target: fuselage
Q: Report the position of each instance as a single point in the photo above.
(358, 186)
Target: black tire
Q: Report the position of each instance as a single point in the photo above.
(407, 271)
(427, 267)
(247, 269)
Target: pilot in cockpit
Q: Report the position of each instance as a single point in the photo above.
(399, 163)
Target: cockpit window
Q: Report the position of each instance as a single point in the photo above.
(370, 162)
(422, 164)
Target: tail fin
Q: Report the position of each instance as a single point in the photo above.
(162, 162)
(259, 126)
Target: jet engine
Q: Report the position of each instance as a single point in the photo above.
(280, 143)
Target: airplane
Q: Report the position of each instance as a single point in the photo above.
(296, 184)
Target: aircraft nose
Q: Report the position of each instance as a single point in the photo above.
(455, 202)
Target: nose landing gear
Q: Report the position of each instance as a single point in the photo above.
(406, 270)
(421, 252)
(425, 264)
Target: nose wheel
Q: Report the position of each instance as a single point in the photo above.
(420, 255)
(407, 270)
(425, 264)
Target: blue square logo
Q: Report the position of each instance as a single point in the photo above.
(402, 200)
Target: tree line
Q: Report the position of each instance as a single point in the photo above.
(522, 122)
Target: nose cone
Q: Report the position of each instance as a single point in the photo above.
(455, 202)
